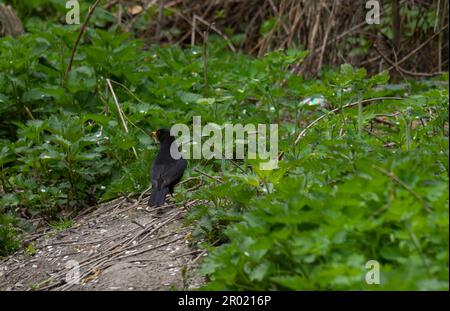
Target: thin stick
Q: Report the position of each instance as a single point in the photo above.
(80, 34)
(205, 62)
(121, 115)
(202, 254)
(237, 165)
(160, 18)
(119, 14)
(194, 29)
(396, 24)
(151, 249)
(337, 109)
(401, 183)
(165, 222)
(315, 28)
(29, 113)
(395, 65)
(215, 29)
(135, 97)
(419, 47)
(442, 22)
(343, 35)
(327, 33)
(365, 101)
(136, 223)
(209, 176)
(128, 90)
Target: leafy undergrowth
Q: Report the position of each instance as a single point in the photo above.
(367, 182)
(343, 203)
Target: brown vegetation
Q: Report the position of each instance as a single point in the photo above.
(334, 31)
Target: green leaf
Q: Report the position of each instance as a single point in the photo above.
(205, 101)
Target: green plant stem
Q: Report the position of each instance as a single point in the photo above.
(405, 186)
(360, 117)
(408, 134)
(362, 102)
(77, 41)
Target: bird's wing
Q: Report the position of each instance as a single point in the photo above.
(174, 172)
(157, 173)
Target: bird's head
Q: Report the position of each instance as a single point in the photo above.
(162, 135)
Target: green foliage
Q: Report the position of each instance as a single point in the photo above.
(9, 234)
(62, 224)
(318, 232)
(350, 191)
(346, 199)
(30, 250)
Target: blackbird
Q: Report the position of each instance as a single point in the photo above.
(166, 171)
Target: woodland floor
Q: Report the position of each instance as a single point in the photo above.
(120, 245)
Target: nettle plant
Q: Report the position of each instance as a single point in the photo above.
(346, 194)
(367, 181)
(62, 141)
(56, 161)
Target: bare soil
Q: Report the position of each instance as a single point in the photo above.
(121, 245)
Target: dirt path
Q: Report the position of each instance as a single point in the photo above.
(121, 245)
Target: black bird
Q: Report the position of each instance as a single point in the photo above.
(167, 170)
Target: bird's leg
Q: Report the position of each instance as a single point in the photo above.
(171, 193)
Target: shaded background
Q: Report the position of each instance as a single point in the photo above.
(411, 39)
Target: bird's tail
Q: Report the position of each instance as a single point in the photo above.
(157, 197)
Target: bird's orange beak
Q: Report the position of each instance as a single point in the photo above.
(153, 135)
